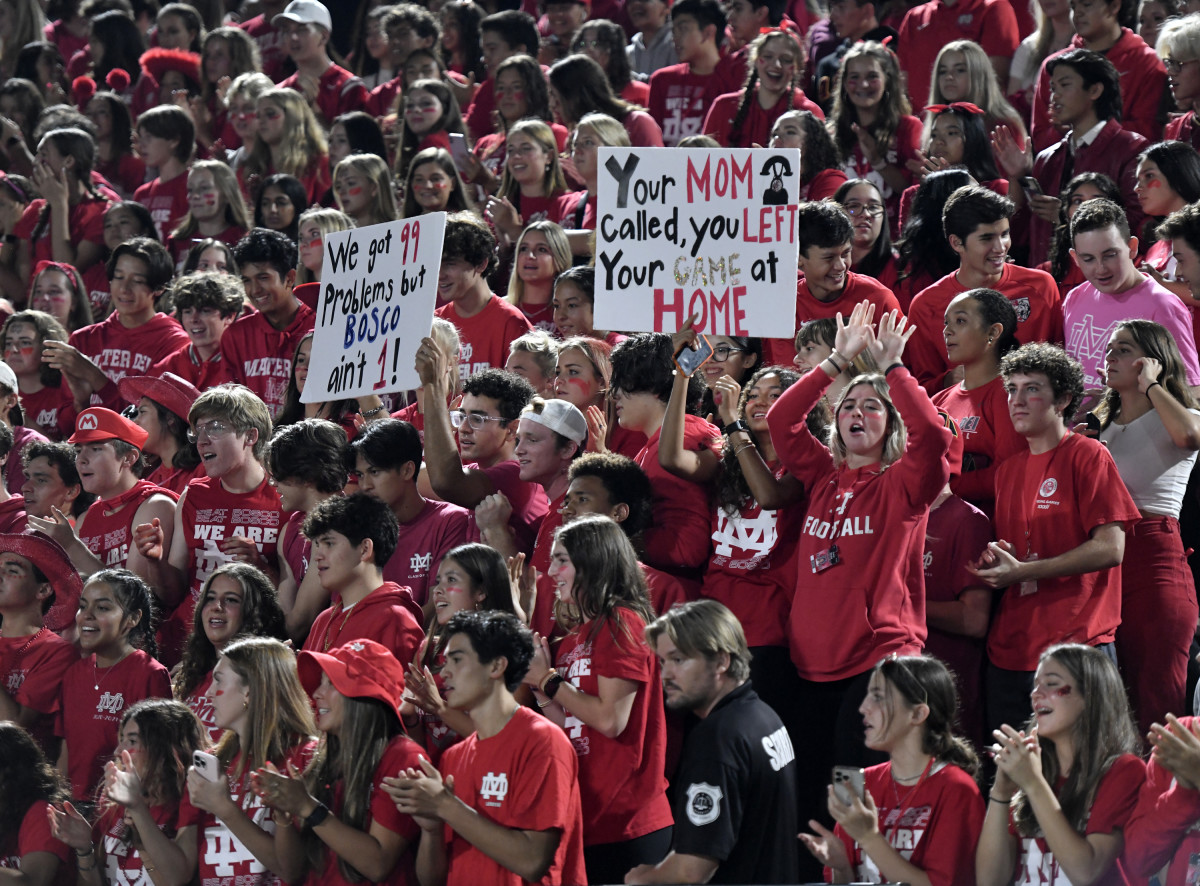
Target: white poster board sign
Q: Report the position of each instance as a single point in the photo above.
(378, 291)
(702, 231)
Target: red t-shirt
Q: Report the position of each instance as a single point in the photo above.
(529, 502)
(752, 569)
(542, 617)
(35, 836)
(128, 173)
(88, 719)
(1165, 825)
(928, 27)
(186, 363)
(679, 99)
(678, 538)
(107, 535)
(33, 677)
(209, 515)
(1034, 296)
(338, 92)
(401, 754)
(260, 356)
(858, 287)
(85, 223)
(13, 518)
(167, 202)
(486, 337)
(478, 116)
(178, 247)
(51, 411)
(223, 860)
(122, 860)
(1116, 796)
(848, 615)
(423, 542)
(934, 824)
(1046, 505)
(270, 45)
(387, 615)
(988, 438)
(525, 777)
(201, 706)
(643, 130)
(756, 126)
(120, 351)
(621, 782)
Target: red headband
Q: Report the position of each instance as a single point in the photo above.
(67, 269)
(962, 107)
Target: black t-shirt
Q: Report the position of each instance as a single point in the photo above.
(737, 793)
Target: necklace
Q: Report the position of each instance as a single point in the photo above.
(97, 679)
(16, 657)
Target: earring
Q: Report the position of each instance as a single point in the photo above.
(989, 341)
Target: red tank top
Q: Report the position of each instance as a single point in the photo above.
(108, 523)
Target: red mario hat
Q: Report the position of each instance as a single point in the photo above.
(360, 669)
(52, 561)
(96, 424)
(168, 390)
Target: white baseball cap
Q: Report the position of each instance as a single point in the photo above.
(561, 417)
(305, 12)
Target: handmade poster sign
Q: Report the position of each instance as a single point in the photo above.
(378, 291)
(710, 232)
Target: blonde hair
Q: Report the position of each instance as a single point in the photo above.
(608, 130)
(896, 436)
(446, 335)
(236, 213)
(279, 712)
(986, 90)
(553, 182)
(560, 251)
(239, 406)
(303, 144)
(329, 221)
(705, 628)
(383, 206)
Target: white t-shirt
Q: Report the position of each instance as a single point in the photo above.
(1154, 469)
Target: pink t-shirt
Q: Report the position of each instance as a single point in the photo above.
(423, 542)
(1089, 317)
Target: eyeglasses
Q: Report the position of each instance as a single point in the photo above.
(1174, 65)
(870, 210)
(210, 430)
(593, 44)
(721, 352)
(477, 422)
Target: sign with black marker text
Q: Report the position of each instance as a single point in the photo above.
(710, 232)
(378, 291)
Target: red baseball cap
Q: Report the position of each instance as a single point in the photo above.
(96, 424)
(359, 669)
(168, 390)
(52, 561)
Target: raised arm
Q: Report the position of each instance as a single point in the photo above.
(696, 466)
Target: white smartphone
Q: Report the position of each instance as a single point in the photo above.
(459, 150)
(206, 765)
(849, 782)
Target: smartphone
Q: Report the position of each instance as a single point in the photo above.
(459, 150)
(690, 359)
(849, 782)
(1093, 423)
(206, 765)
(1031, 186)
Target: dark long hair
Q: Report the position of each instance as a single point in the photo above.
(1103, 732)
(25, 777)
(750, 91)
(978, 156)
(1060, 240)
(296, 194)
(122, 42)
(613, 39)
(820, 152)
(467, 16)
(487, 571)
(583, 87)
(1180, 166)
(923, 244)
(881, 253)
(607, 575)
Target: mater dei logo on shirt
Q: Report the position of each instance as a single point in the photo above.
(1045, 492)
(494, 788)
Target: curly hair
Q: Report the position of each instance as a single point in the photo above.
(624, 481)
(261, 617)
(468, 239)
(496, 634)
(732, 490)
(1061, 369)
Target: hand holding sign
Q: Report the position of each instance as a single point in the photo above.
(376, 304)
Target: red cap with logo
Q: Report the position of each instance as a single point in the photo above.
(359, 669)
(96, 424)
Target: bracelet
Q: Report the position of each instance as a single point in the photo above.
(553, 684)
(546, 703)
(91, 850)
(829, 359)
(368, 413)
(998, 800)
(542, 683)
(742, 449)
(318, 815)
(1152, 384)
(893, 366)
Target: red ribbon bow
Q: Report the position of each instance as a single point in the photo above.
(963, 107)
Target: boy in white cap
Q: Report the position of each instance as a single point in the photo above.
(304, 27)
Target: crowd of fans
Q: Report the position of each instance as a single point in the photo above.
(902, 597)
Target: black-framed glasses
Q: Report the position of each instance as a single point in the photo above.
(870, 210)
(477, 422)
(721, 352)
(1174, 65)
